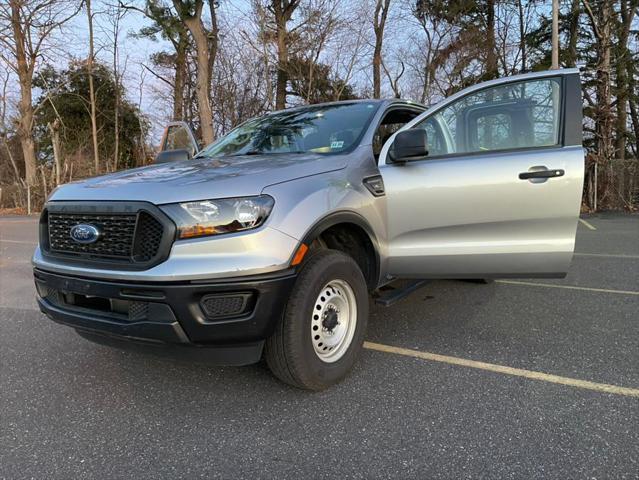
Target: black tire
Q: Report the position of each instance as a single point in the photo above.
(289, 352)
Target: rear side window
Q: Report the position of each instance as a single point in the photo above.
(517, 115)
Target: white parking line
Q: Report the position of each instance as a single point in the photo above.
(610, 255)
(567, 287)
(591, 227)
(517, 372)
(17, 241)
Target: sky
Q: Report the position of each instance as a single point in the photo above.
(71, 42)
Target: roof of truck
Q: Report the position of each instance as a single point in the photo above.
(382, 101)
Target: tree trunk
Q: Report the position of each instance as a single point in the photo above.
(634, 110)
(94, 123)
(12, 160)
(54, 129)
(180, 77)
(25, 132)
(604, 128)
(522, 35)
(573, 34)
(282, 73)
(377, 65)
(205, 51)
(202, 87)
(116, 78)
(379, 23)
(492, 70)
(281, 81)
(622, 60)
(555, 35)
(25, 107)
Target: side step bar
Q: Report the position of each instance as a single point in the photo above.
(394, 295)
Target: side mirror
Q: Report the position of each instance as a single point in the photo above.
(173, 155)
(410, 145)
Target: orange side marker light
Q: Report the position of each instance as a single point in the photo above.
(299, 255)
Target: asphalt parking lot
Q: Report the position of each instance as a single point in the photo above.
(520, 379)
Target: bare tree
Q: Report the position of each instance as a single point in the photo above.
(601, 24)
(623, 57)
(282, 11)
(430, 52)
(54, 130)
(573, 33)
(206, 44)
(349, 46)
(492, 70)
(394, 79)
(90, 60)
(522, 34)
(259, 41)
(32, 23)
(3, 124)
(167, 24)
(382, 8)
(115, 14)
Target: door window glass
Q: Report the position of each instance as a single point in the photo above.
(516, 115)
(435, 138)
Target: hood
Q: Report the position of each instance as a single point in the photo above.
(200, 178)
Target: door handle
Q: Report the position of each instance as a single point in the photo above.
(541, 174)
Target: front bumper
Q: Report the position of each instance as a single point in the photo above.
(228, 328)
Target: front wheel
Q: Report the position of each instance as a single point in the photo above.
(317, 341)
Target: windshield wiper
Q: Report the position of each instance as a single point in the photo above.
(260, 152)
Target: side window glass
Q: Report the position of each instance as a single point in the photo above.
(393, 121)
(435, 138)
(382, 134)
(518, 115)
(492, 131)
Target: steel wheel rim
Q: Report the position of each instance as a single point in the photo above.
(333, 321)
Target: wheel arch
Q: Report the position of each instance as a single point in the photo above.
(353, 225)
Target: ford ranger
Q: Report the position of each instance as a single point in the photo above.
(269, 242)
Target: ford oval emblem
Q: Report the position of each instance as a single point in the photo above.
(84, 233)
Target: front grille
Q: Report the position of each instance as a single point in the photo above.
(116, 240)
(137, 238)
(148, 238)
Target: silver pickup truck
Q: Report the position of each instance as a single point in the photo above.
(269, 241)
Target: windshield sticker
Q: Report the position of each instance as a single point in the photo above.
(337, 144)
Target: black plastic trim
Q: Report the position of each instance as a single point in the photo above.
(542, 174)
(270, 296)
(573, 110)
(368, 183)
(112, 208)
(336, 218)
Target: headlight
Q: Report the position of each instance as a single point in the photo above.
(214, 217)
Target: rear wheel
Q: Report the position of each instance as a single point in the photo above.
(317, 341)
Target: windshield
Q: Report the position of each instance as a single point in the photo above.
(319, 129)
